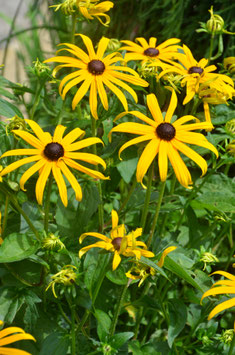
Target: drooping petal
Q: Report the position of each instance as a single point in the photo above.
(93, 173)
(29, 138)
(14, 152)
(32, 170)
(180, 169)
(82, 91)
(93, 99)
(41, 182)
(19, 163)
(71, 178)
(225, 274)
(197, 139)
(190, 153)
(39, 132)
(89, 46)
(60, 183)
(13, 338)
(102, 92)
(164, 254)
(102, 245)
(96, 235)
(163, 159)
(87, 157)
(123, 85)
(79, 52)
(134, 128)
(116, 260)
(74, 82)
(134, 142)
(172, 106)
(146, 159)
(221, 307)
(116, 91)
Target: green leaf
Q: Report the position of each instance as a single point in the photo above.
(17, 247)
(127, 169)
(178, 317)
(104, 323)
(117, 276)
(55, 344)
(119, 339)
(150, 263)
(8, 110)
(181, 272)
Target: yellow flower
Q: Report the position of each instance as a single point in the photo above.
(95, 71)
(195, 73)
(225, 287)
(66, 276)
(166, 139)
(120, 243)
(53, 154)
(92, 8)
(11, 335)
(88, 8)
(141, 271)
(229, 64)
(148, 51)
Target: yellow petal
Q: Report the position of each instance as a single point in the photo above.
(21, 152)
(180, 169)
(135, 141)
(164, 254)
(116, 260)
(72, 136)
(154, 108)
(19, 163)
(87, 157)
(96, 235)
(41, 182)
(39, 132)
(172, 106)
(103, 43)
(83, 144)
(102, 245)
(32, 170)
(72, 180)
(89, 46)
(29, 138)
(225, 274)
(221, 307)
(123, 85)
(163, 160)
(102, 92)
(146, 159)
(82, 91)
(93, 173)
(93, 99)
(134, 128)
(117, 92)
(58, 134)
(16, 337)
(60, 183)
(114, 219)
(82, 77)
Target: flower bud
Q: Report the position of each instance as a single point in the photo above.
(229, 64)
(68, 7)
(230, 127)
(227, 336)
(40, 69)
(16, 123)
(215, 24)
(52, 242)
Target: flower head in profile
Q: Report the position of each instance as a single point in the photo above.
(141, 271)
(66, 277)
(149, 51)
(195, 73)
(119, 242)
(54, 154)
(95, 71)
(166, 139)
(88, 8)
(225, 287)
(11, 335)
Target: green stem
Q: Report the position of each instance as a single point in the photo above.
(155, 218)
(4, 223)
(166, 215)
(147, 197)
(21, 211)
(74, 18)
(36, 99)
(118, 310)
(60, 115)
(9, 35)
(47, 204)
(232, 346)
(211, 47)
(130, 192)
(73, 335)
(104, 264)
(100, 206)
(140, 313)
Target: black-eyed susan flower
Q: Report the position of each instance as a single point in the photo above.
(66, 277)
(194, 73)
(140, 271)
(148, 51)
(95, 70)
(88, 8)
(11, 335)
(54, 154)
(119, 242)
(166, 139)
(226, 286)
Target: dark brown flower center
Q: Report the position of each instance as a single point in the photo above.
(195, 70)
(151, 52)
(165, 131)
(96, 67)
(117, 243)
(53, 151)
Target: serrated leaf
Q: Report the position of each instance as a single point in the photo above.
(17, 247)
(178, 317)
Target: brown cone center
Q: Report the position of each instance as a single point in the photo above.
(117, 243)
(53, 151)
(151, 52)
(96, 67)
(166, 131)
(195, 70)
